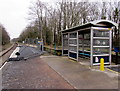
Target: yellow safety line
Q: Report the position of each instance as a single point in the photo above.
(113, 71)
(90, 67)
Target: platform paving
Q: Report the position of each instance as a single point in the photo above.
(32, 73)
(80, 76)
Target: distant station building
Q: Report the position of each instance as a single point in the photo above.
(92, 40)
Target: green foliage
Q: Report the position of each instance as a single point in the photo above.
(48, 37)
(29, 32)
(59, 53)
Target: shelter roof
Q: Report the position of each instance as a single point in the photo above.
(97, 23)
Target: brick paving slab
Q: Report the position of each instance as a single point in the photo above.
(32, 74)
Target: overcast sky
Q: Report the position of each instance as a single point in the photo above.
(14, 14)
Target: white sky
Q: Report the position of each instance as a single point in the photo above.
(14, 14)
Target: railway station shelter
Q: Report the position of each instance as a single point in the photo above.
(92, 40)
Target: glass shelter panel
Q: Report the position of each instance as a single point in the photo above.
(86, 46)
(73, 41)
(73, 48)
(73, 45)
(73, 35)
(80, 38)
(65, 36)
(65, 44)
(101, 42)
(100, 50)
(65, 41)
(101, 45)
(98, 33)
(84, 43)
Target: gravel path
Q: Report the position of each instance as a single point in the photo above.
(32, 74)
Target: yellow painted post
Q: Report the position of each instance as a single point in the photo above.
(102, 64)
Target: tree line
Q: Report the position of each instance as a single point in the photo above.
(48, 20)
(4, 36)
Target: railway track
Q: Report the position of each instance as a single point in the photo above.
(5, 55)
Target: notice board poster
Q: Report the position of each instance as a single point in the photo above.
(96, 59)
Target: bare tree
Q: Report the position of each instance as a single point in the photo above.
(52, 19)
(36, 11)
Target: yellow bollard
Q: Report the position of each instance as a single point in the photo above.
(102, 64)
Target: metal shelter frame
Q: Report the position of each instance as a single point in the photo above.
(92, 40)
